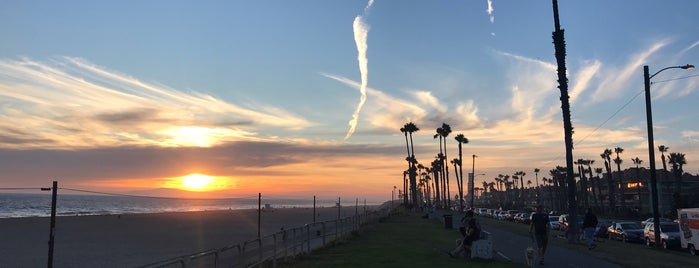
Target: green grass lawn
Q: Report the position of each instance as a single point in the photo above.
(625, 254)
(404, 240)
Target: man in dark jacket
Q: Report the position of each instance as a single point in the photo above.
(539, 229)
(589, 226)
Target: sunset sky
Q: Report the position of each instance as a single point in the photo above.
(303, 98)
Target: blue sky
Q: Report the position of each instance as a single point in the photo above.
(137, 81)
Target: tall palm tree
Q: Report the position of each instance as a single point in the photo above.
(637, 161)
(411, 128)
(598, 197)
(606, 155)
(428, 171)
(441, 158)
(456, 162)
(521, 179)
(663, 149)
(461, 140)
(560, 53)
(436, 169)
(446, 130)
(404, 130)
(677, 160)
(583, 181)
(618, 161)
(536, 174)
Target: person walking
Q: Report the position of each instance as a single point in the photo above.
(539, 229)
(589, 226)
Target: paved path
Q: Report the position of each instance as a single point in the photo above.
(509, 246)
(512, 246)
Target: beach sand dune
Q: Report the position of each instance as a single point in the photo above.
(138, 239)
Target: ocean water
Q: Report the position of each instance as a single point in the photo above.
(15, 205)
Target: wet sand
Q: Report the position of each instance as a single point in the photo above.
(139, 239)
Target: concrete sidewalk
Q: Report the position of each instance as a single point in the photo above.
(510, 246)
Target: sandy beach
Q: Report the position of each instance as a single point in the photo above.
(138, 239)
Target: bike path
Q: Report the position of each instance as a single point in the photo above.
(512, 247)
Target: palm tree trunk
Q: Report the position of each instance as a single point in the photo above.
(560, 52)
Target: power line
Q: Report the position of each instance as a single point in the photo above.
(20, 188)
(673, 79)
(610, 117)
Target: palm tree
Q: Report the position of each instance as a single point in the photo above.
(598, 197)
(428, 171)
(583, 181)
(436, 169)
(446, 130)
(404, 130)
(677, 160)
(618, 161)
(663, 149)
(457, 162)
(536, 174)
(461, 140)
(440, 156)
(606, 155)
(411, 128)
(637, 161)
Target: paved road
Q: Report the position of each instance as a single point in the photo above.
(512, 246)
(509, 246)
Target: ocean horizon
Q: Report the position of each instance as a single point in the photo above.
(24, 205)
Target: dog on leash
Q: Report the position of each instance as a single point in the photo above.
(530, 256)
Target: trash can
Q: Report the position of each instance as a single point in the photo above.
(448, 221)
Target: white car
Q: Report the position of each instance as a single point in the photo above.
(553, 221)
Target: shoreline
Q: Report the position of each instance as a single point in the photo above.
(126, 240)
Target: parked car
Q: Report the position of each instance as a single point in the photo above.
(644, 222)
(601, 229)
(482, 211)
(511, 214)
(564, 222)
(501, 215)
(627, 231)
(669, 234)
(553, 221)
(524, 217)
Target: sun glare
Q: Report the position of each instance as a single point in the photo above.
(196, 182)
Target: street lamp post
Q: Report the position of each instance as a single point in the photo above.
(651, 147)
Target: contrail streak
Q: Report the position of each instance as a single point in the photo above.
(490, 11)
(361, 30)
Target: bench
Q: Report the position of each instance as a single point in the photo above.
(483, 247)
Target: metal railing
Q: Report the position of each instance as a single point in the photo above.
(277, 246)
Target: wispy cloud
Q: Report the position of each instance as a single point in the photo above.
(616, 81)
(361, 30)
(69, 102)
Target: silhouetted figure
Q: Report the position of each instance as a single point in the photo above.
(539, 229)
(589, 225)
(471, 231)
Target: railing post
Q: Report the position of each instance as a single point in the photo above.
(323, 234)
(308, 236)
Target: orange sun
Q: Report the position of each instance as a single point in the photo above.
(196, 182)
